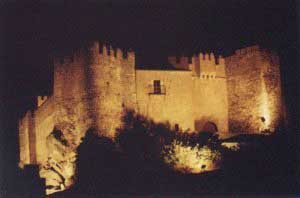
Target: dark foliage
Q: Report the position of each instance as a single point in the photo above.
(132, 164)
(99, 165)
(140, 138)
(264, 165)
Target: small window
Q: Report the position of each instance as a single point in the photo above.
(157, 86)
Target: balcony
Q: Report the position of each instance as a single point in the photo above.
(157, 90)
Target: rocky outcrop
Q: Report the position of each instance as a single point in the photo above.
(60, 167)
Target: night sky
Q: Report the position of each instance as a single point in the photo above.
(32, 30)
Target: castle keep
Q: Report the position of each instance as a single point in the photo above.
(95, 85)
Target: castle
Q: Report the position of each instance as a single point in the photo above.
(96, 84)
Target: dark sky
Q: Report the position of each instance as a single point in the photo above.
(154, 29)
(31, 30)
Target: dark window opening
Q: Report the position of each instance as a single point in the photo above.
(176, 127)
(210, 127)
(157, 86)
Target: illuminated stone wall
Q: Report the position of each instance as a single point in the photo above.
(92, 87)
(24, 139)
(95, 87)
(253, 90)
(272, 81)
(191, 97)
(174, 105)
(95, 84)
(209, 91)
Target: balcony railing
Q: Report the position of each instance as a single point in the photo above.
(159, 90)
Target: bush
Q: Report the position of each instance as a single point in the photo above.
(188, 159)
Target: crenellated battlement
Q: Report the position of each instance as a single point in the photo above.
(210, 58)
(107, 53)
(247, 50)
(207, 65)
(181, 62)
(95, 53)
(203, 65)
(89, 66)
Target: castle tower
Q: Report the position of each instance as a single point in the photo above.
(254, 95)
(99, 82)
(93, 86)
(208, 88)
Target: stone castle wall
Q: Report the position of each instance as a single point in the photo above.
(91, 88)
(253, 90)
(174, 104)
(95, 84)
(187, 100)
(24, 139)
(210, 103)
(204, 65)
(272, 82)
(210, 100)
(33, 130)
